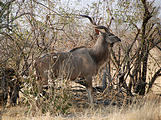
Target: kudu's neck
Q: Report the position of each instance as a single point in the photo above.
(100, 51)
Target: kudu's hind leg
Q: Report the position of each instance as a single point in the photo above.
(89, 89)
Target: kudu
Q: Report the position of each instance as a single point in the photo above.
(80, 62)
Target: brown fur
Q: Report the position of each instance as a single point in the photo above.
(79, 62)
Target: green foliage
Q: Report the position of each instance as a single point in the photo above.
(129, 12)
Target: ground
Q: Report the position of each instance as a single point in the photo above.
(141, 108)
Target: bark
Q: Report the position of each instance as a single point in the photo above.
(145, 51)
(157, 74)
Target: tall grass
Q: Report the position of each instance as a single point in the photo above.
(145, 108)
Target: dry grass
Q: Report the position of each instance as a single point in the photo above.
(146, 108)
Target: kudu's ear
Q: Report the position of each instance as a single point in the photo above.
(97, 31)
